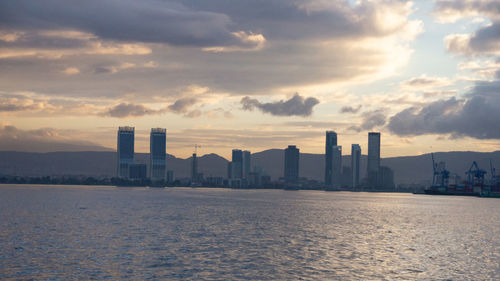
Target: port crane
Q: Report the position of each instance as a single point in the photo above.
(493, 173)
(475, 175)
(440, 176)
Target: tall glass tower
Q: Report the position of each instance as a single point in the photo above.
(373, 166)
(331, 142)
(125, 151)
(157, 154)
(292, 164)
(237, 166)
(355, 163)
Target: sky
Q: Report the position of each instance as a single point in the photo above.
(253, 75)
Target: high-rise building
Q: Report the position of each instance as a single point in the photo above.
(246, 164)
(125, 151)
(291, 164)
(355, 164)
(157, 154)
(237, 166)
(373, 166)
(194, 168)
(331, 141)
(336, 166)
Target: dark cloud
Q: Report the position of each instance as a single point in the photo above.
(124, 110)
(486, 40)
(295, 106)
(370, 120)
(350, 109)
(285, 19)
(128, 20)
(182, 105)
(477, 116)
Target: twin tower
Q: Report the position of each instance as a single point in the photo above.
(127, 168)
(333, 160)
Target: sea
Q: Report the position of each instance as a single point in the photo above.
(97, 233)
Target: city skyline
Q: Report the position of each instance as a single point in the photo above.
(417, 71)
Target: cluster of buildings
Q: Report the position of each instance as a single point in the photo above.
(129, 169)
(240, 172)
(339, 176)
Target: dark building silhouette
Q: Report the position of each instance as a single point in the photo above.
(346, 177)
(246, 164)
(373, 166)
(137, 171)
(336, 171)
(229, 170)
(237, 164)
(355, 164)
(170, 176)
(157, 154)
(386, 178)
(194, 168)
(291, 164)
(330, 142)
(125, 151)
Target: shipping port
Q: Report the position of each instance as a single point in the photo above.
(477, 183)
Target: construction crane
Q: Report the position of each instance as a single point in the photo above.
(196, 148)
(475, 175)
(441, 175)
(493, 173)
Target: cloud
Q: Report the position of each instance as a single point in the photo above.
(424, 82)
(112, 69)
(350, 109)
(451, 11)
(486, 40)
(370, 120)
(71, 71)
(475, 116)
(295, 106)
(149, 21)
(124, 110)
(182, 105)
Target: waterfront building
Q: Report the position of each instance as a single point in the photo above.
(246, 164)
(330, 142)
(194, 168)
(336, 153)
(291, 173)
(373, 166)
(170, 176)
(125, 151)
(237, 164)
(137, 171)
(355, 164)
(157, 154)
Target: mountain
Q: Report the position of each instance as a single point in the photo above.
(407, 169)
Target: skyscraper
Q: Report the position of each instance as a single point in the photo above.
(125, 151)
(237, 166)
(246, 163)
(336, 178)
(373, 166)
(331, 141)
(157, 154)
(355, 163)
(194, 168)
(291, 164)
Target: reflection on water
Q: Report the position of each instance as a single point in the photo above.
(49, 232)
